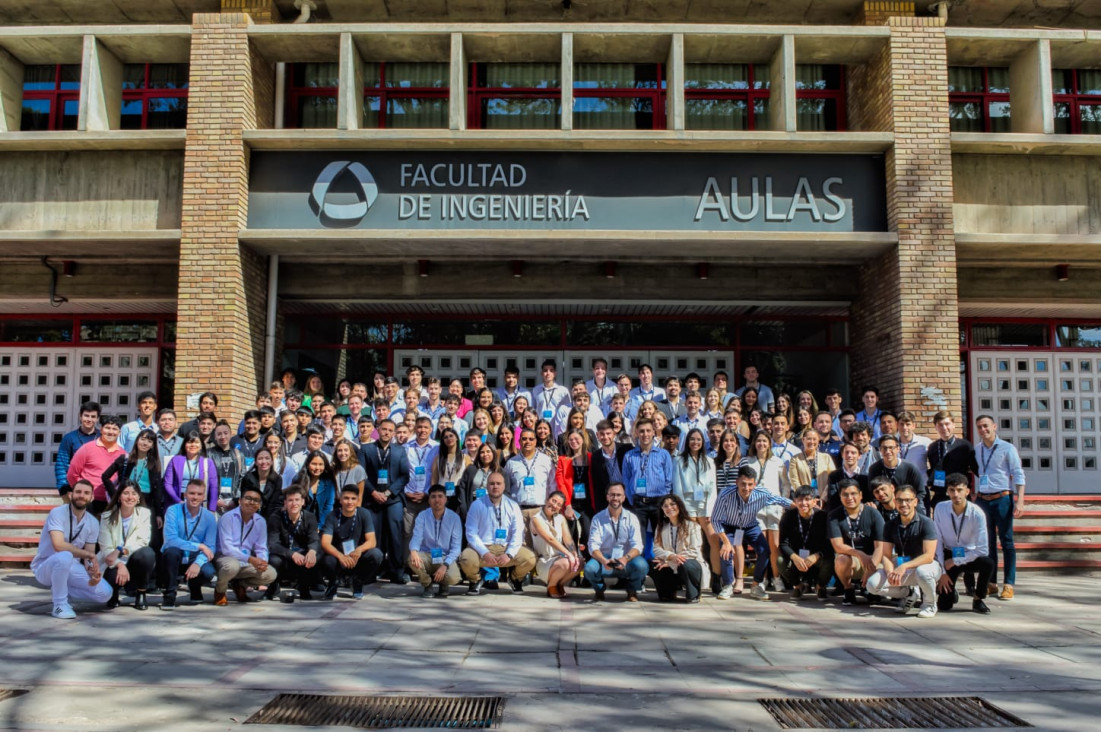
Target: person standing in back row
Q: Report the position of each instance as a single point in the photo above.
(1001, 496)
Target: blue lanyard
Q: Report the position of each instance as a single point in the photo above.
(988, 457)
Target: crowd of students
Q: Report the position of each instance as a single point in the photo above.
(607, 479)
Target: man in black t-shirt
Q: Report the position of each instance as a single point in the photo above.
(806, 556)
(909, 557)
(348, 542)
(855, 531)
(884, 491)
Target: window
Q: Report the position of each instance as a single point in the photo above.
(154, 96)
(1009, 334)
(1078, 336)
(819, 97)
(1077, 94)
(978, 98)
(515, 96)
(619, 97)
(405, 95)
(312, 95)
(720, 97)
(51, 97)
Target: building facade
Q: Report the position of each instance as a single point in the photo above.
(199, 194)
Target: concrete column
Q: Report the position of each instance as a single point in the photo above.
(1030, 90)
(905, 320)
(100, 88)
(222, 285)
(567, 81)
(349, 106)
(457, 84)
(674, 90)
(11, 92)
(781, 94)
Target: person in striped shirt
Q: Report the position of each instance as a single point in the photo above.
(735, 518)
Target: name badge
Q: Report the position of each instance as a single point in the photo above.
(899, 561)
(248, 462)
(225, 487)
(804, 553)
(984, 481)
(617, 552)
(529, 482)
(384, 477)
(938, 478)
(739, 535)
(957, 553)
(500, 536)
(437, 556)
(697, 493)
(640, 484)
(547, 414)
(419, 470)
(480, 493)
(579, 490)
(814, 483)
(449, 487)
(348, 546)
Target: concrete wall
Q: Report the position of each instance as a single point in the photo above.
(90, 191)
(1027, 194)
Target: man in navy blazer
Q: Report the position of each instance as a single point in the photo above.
(387, 470)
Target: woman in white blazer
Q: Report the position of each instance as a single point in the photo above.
(678, 552)
(124, 534)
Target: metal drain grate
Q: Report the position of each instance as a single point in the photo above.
(382, 712)
(953, 712)
(12, 693)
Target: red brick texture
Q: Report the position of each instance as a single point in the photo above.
(905, 322)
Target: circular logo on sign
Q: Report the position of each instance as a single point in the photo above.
(341, 214)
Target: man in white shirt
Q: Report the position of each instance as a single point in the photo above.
(963, 545)
(66, 557)
(623, 391)
(147, 407)
(511, 390)
(693, 418)
(645, 391)
(495, 537)
(242, 558)
(579, 399)
(548, 396)
(435, 546)
(765, 398)
(599, 387)
(615, 546)
(531, 476)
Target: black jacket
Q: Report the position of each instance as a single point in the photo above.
(598, 470)
(371, 459)
(282, 537)
(118, 472)
(272, 492)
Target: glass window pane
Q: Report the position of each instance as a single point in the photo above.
(816, 114)
(131, 114)
(518, 76)
(317, 112)
(716, 114)
(784, 333)
(817, 76)
(70, 76)
(39, 78)
(1062, 118)
(613, 113)
(36, 331)
(118, 331)
(167, 113)
(616, 76)
(1089, 115)
(402, 112)
(1089, 81)
(70, 109)
(998, 79)
(417, 75)
(1062, 81)
(965, 79)
(371, 107)
(965, 116)
(761, 76)
(36, 115)
(716, 76)
(1009, 334)
(317, 75)
(133, 76)
(168, 76)
(1078, 336)
(519, 113)
(999, 117)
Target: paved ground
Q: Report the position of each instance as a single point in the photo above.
(563, 665)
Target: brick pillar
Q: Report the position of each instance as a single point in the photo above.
(905, 321)
(223, 285)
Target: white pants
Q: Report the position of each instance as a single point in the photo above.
(66, 577)
(924, 577)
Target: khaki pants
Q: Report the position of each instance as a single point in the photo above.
(527, 513)
(521, 564)
(424, 574)
(409, 517)
(230, 570)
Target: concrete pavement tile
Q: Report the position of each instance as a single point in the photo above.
(650, 660)
(814, 657)
(863, 680)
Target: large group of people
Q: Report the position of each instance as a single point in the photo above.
(601, 484)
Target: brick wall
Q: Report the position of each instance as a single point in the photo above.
(905, 323)
(223, 286)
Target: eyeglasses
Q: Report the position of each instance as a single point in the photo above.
(249, 499)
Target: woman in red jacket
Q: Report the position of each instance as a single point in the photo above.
(574, 479)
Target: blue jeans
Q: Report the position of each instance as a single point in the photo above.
(999, 527)
(753, 536)
(634, 573)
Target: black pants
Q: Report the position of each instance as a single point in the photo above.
(140, 564)
(819, 573)
(579, 530)
(389, 528)
(174, 560)
(648, 511)
(689, 575)
(291, 574)
(364, 573)
(982, 566)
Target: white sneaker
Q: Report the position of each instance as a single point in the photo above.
(758, 592)
(911, 600)
(726, 592)
(928, 610)
(63, 612)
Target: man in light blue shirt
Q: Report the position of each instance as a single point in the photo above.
(495, 537)
(531, 474)
(147, 407)
(693, 418)
(436, 543)
(962, 545)
(647, 474)
(615, 547)
(646, 391)
(421, 453)
(548, 396)
(600, 389)
(734, 517)
(1001, 496)
(243, 549)
(511, 390)
(765, 398)
(190, 538)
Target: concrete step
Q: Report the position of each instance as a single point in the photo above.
(17, 557)
(1059, 566)
(1077, 517)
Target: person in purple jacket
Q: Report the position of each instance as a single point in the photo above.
(191, 464)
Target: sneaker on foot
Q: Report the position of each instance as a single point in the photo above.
(726, 592)
(909, 602)
(821, 594)
(798, 591)
(63, 612)
(758, 592)
(850, 596)
(168, 601)
(928, 610)
(427, 591)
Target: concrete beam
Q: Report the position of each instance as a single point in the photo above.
(100, 88)
(781, 95)
(567, 82)
(349, 105)
(1030, 90)
(11, 92)
(674, 69)
(456, 110)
